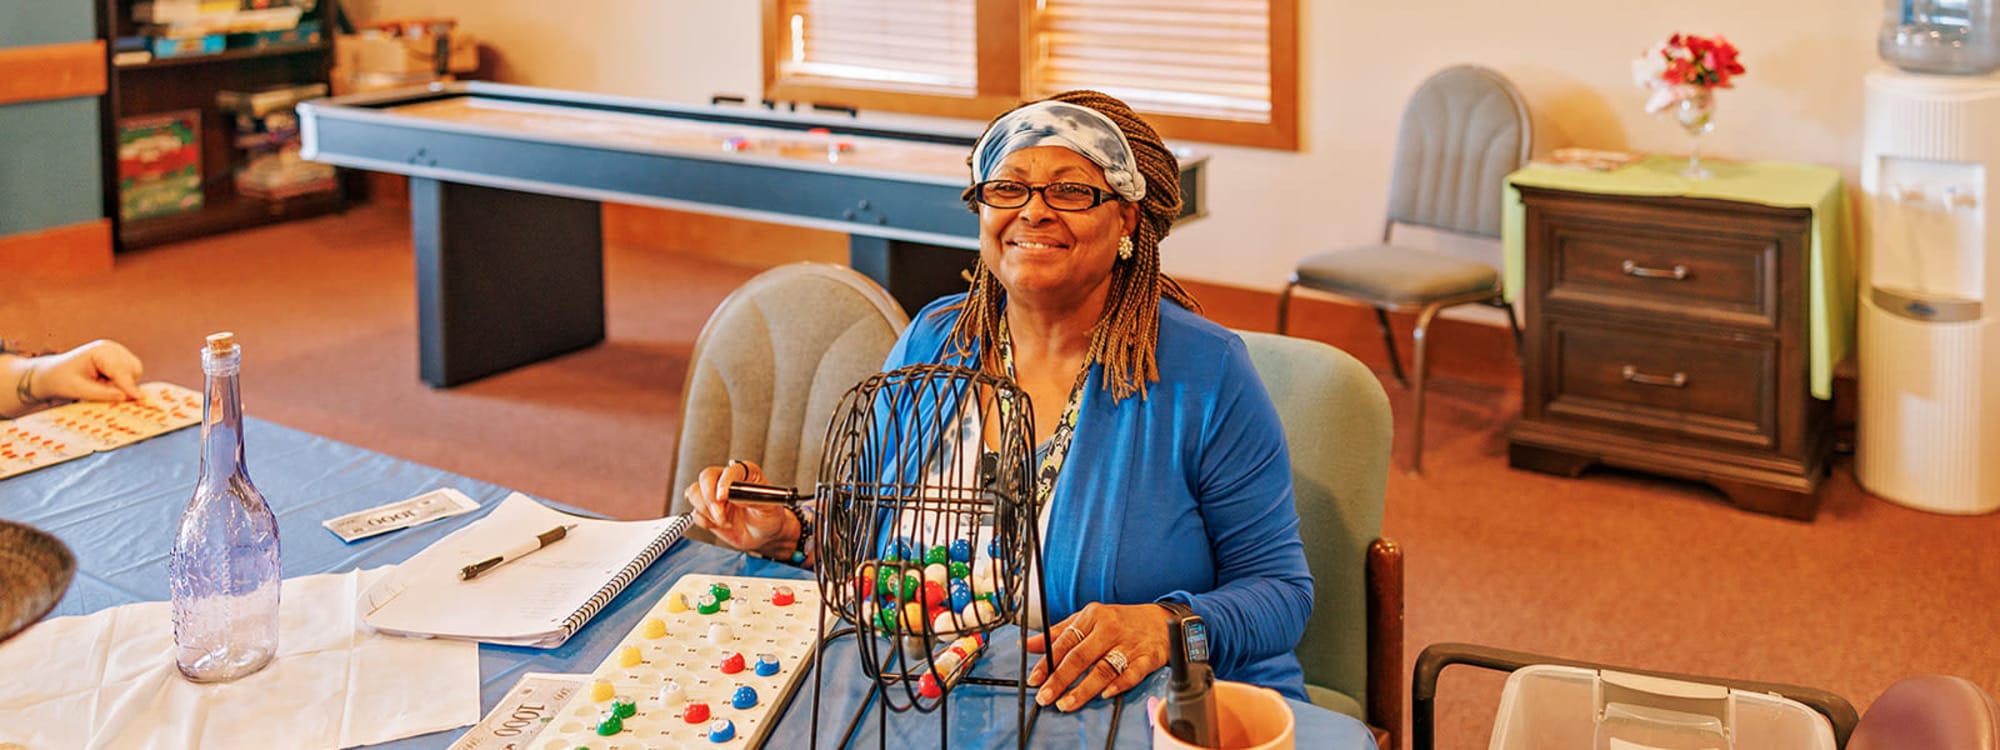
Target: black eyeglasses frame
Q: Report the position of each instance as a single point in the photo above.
(1098, 196)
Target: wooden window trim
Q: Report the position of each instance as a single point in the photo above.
(1003, 42)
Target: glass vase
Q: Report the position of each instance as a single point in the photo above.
(1696, 114)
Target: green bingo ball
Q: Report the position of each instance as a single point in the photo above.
(720, 591)
(959, 570)
(886, 580)
(708, 605)
(886, 620)
(938, 554)
(610, 726)
(911, 582)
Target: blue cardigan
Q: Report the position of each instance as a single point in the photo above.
(1185, 495)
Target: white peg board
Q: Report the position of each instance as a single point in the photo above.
(685, 655)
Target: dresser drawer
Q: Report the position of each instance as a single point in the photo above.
(1691, 386)
(1675, 260)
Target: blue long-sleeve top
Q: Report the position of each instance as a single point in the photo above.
(1183, 495)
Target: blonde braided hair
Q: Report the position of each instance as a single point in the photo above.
(1127, 334)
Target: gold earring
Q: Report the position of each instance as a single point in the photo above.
(1124, 248)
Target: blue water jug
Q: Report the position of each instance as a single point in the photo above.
(1947, 37)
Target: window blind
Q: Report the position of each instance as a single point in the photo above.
(1199, 58)
(921, 44)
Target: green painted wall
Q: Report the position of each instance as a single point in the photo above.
(49, 157)
(26, 22)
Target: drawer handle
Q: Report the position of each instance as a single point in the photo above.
(1676, 273)
(1633, 375)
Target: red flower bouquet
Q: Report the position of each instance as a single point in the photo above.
(1685, 65)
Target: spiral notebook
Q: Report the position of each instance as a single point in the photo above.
(539, 600)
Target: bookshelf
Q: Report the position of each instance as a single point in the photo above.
(189, 83)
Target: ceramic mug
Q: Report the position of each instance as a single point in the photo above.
(1251, 718)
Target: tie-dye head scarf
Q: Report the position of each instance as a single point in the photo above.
(1077, 128)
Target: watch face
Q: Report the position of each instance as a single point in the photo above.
(1195, 632)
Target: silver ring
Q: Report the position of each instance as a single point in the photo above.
(1072, 630)
(1116, 660)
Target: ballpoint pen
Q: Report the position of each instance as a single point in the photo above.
(517, 552)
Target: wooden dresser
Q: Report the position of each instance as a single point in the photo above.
(1669, 334)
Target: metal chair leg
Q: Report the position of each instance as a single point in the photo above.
(1389, 339)
(1284, 306)
(1422, 364)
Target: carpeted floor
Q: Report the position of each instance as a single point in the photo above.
(1615, 567)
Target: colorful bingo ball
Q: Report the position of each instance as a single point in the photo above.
(610, 725)
(723, 730)
(928, 687)
(602, 691)
(961, 594)
(677, 602)
(888, 580)
(654, 628)
(938, 554)
(936, 573)
(958, 570)
(629, 656)
(934, 594)
(783, 596)
(961, 551)
(767, 665)
(886, 620)
(695, 713)
(744, 697)
(732, 663)
(624, 708)
(708, 604)
(720, 591)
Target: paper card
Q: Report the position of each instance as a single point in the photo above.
(402, 514)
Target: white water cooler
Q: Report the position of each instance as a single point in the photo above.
(1928, 419)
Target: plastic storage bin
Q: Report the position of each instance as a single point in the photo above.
(1547, 707)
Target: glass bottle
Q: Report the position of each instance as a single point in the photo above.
(1949, 37)
(223, 571)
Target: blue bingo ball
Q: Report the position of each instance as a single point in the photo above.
(961, 595)
(767, 665)
(744, 697)
(961, 550)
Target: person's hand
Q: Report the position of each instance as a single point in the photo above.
(101, 370)
(1090, 645)
(745, 526)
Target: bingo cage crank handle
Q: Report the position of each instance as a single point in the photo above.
(770, 494)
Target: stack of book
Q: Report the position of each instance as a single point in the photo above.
(180, 28)
(267, 127)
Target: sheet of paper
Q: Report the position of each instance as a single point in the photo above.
(52, 436)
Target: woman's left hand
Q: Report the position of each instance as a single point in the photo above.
(1099, 652)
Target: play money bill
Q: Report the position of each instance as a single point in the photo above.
(402, 514)
(529, 706)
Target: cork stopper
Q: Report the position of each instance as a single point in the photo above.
(221, 342)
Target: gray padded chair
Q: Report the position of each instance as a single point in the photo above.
(769, 367)
(1463, 131)
(1338, 425)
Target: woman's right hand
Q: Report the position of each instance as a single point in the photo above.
(771, 530)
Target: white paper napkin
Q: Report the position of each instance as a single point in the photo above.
(107, 680)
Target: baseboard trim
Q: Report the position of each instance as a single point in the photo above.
(68, 251)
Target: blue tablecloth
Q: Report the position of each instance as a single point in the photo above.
(117, 512)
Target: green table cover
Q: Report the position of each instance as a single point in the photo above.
(1830, 286)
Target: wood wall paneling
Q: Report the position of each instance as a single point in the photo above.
(51, 71)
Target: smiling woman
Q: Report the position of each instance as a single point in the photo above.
(1161, 471)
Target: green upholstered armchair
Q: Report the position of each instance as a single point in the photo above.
(1338, 426)
(770, 366)
(1463, 131)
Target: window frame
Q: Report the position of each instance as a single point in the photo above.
(1003, 42)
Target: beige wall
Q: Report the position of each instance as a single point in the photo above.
(1801, 98)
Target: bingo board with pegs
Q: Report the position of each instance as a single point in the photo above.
(74, 430)
(711, 665)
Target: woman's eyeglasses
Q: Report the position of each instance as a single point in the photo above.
(1061, 196)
